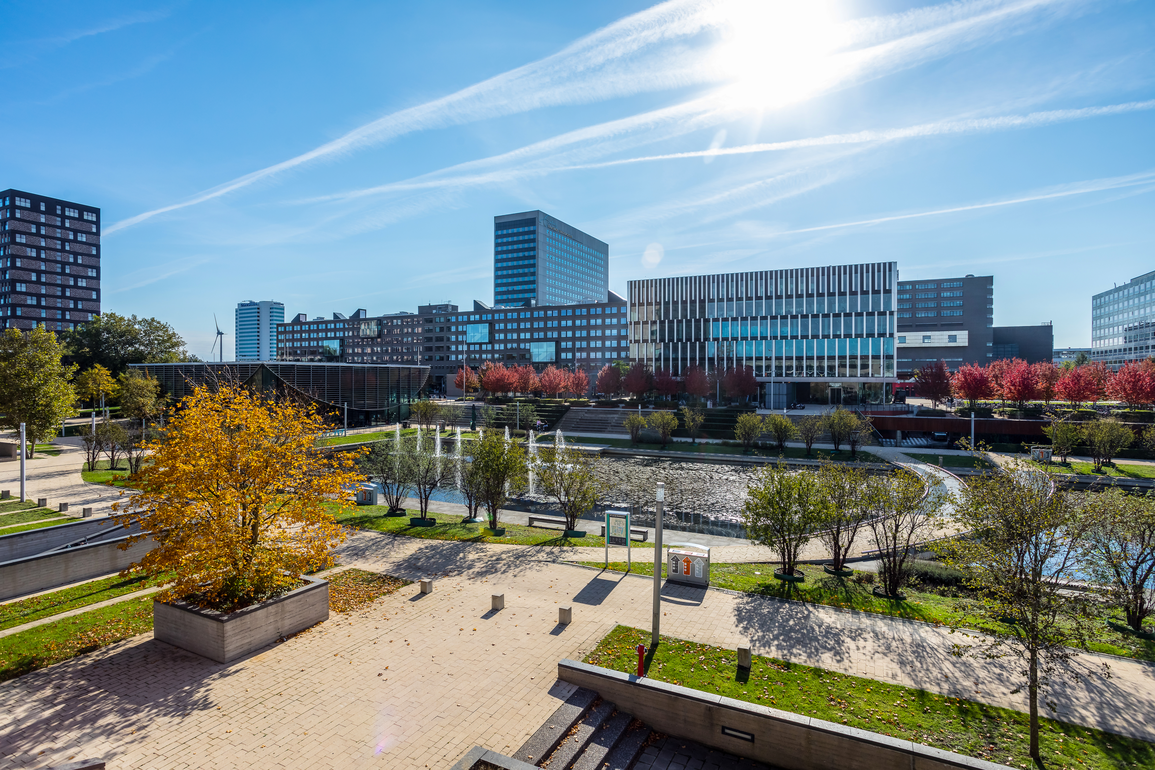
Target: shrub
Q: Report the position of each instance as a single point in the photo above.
(935, 573)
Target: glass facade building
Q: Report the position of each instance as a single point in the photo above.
(817, 334)
(49, 261)
(1123, 322)
(540, 260)
(256, 330)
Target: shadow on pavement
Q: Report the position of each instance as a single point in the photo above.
(595, 592)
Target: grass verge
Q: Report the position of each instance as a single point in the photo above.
(450, 527)
(45, 605)
(790, 452)
(353, 589)
(357, 438)
(66, 638)
(1124, 471)
(952, 461)
(46, 449)
(926, 604)
(104, 474)
(37, 525)
(28, 514)
(962, 726)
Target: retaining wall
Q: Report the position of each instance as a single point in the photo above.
(31, 574)
(778, 738)
(37, 541)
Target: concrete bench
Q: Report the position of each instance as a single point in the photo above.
(642, 534)
(536, 520)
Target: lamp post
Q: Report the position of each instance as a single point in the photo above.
(23, 463)
(659, 559)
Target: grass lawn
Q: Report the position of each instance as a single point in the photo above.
(357, 438)
(926, 605)
(719, 449)
(46, 449)
(66, 638)
(952, 461)
(106, 475)
(1118, 471)
(31, 513)
(451, 528)
(353, 589)
(954, 724)
(38, 525)
(42, 606)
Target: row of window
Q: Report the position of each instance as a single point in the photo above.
(26, 203)
(508, 230)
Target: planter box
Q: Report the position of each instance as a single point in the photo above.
(419, 522)
(797, 577)
(844, 573)
(573, 533)
(499, 532)
(225, 637)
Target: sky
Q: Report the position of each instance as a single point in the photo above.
(343, 155)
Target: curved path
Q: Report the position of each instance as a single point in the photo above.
(58, 479)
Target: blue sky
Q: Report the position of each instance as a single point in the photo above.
(341, 155)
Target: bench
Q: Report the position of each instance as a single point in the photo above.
(643, 534)
(544, 519)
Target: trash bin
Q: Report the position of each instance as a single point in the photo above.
(688, 563)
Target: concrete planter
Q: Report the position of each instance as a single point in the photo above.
(573, 533)
(397, 513)
(419, 522)
(224, 637)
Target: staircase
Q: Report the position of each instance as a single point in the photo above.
(593, 420)
(589, 733)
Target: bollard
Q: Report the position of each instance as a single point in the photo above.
(564, 616)
(5, 494)
(64, 507)
(745, 660)
(641, 660)
(497, 602)
(86, 512)
(42, 502)
(426, 586)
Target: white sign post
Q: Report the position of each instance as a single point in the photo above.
(658, 559)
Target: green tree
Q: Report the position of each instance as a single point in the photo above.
(1148, 439)
(634, 423)
(842, 487)
(860, 435)
(1064, 434)
(781, 428)
(115, 341)
(94, 382)
(389, 466)
(748, 427)
(899, 517)
(692, 418)
(1120, 550)
(519, 414)
(838, 425)
(430, 472)
(1105, 438)
(425, 412)
(1024, 552)
(35, 387)
(139, 396)
(567, 475)
(502, 471)
(781, 511)
(809, 428)
(114, 439)
(664, 424)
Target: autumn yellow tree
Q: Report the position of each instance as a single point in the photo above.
(237, 497)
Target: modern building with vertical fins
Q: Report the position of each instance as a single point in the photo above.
(256, 330)
(812, 335)
(540, 260)
(49, 261)
(1123, 322)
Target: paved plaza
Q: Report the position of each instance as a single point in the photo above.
(415, 680)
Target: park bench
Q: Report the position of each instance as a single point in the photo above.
(536, 520)
(642, 534)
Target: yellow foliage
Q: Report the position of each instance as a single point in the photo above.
(236, 497)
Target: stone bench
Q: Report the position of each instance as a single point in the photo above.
(536, 520)
(642, 534)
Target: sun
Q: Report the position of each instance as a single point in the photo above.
(775, 52)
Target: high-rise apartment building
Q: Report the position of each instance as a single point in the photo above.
(1123, 322)
(256, 330)
(540, 260)
(947, 319)
(811, 335)
(49, 261)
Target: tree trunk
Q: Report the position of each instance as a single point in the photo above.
(1033, 691)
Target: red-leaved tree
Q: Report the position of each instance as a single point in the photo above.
(997, 371)
(466, 380)
(696, 382)
(1101, 374)
(495, 378)
(579, 383)
(1046, 378)
(934, 382)
(739, 382)
(1132, 385)
(609, 381)
(527, 380)
(1077, 385)
(1019, 384)
(554, 380)
(638, 380)
(971, 383)
(665, 383)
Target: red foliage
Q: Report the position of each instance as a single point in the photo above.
(665, 383)
(1077, 385)
(997, 371)
(609, 381)
(579, 383)
(638, 380)
(554, 380)
(527, 381)
(1046, 378)
(934, 382)
(1132, 385)
(495, 378)
(1101, 375)
(739, 382)
(696, 382)
(972, 383)
(466, 380)
(1019, 384)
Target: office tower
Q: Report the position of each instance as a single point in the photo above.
(947, 319)
(49, 261)
(256, 330)
(539, 260)
(1122, 322)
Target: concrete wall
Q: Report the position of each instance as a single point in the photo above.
(37, 541)
(29, 575)
(223, 638)
(779, 738)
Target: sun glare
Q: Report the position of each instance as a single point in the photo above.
(775, 52)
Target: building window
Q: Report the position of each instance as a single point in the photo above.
(952, 338)
(901, 339)
(925, 338)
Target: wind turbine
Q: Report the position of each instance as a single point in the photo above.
(220, 337)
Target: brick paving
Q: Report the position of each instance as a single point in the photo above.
(413, 681)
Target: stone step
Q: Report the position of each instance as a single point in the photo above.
(543, 742)
(573, 744)
(603, 742)
(628, 747)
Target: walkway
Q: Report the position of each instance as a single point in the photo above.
(415, 680)
(58, 479)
